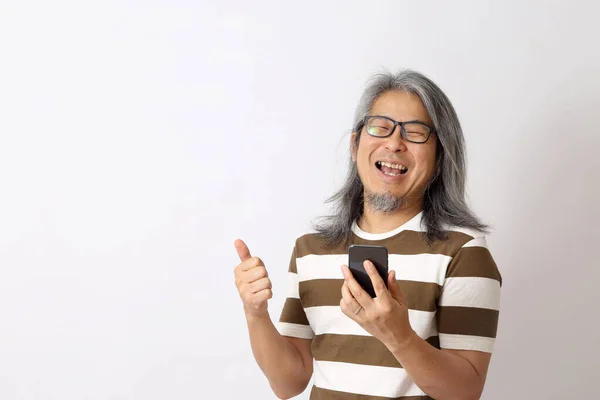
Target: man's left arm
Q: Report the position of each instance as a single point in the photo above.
(443, 374)
(467, 320)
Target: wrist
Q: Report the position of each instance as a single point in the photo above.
(256, 316)
(399, 344)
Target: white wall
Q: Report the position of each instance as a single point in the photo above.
(138, 140)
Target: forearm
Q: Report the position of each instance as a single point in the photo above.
(279, 360)
(442, 375)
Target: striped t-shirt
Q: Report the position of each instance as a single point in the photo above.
(453, 293)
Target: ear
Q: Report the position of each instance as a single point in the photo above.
(353, 147)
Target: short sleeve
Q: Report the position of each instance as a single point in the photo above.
(293, 321)
(469, 304)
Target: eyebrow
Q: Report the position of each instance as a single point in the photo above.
(406, 120)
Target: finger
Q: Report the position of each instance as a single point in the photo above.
(242, 250)
(395, 289)
(250, 263)
(254, 274)
(359, 294)
(262, 296)
(261, 284)
(348, 303)
(378, 283)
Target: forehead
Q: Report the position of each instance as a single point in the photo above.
(401, 106)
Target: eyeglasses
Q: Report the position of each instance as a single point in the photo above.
(411, 131)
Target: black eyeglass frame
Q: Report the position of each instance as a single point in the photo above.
(402, 130)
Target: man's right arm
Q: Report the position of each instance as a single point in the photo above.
(285, 361)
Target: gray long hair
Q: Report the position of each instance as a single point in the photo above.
(444, 201)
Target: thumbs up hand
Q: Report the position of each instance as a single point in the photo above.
(252, 281)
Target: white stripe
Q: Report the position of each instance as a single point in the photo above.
(420, 267)
(470, 232)
(293, 286)
(414, 267)
(321, 267)
(471, 292)
(331, 320)
(477, 242)
(364, 379)
(295, 330)
(414, 224)
(465, 342)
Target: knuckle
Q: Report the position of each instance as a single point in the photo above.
(262, 284)
(252, 277)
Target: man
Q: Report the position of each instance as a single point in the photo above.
(431, 334)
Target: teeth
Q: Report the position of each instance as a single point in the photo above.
(396, 166)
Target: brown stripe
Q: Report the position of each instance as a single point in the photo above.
(474, 262)
(293, 267)
(328, 292)
(421, 296)
(467, 321)
(324, 394)
(312, 243)
(365, 350)
(406, 242)
(321, 292)
(412, 242)
(293, 312)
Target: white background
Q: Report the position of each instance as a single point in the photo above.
(140, 139)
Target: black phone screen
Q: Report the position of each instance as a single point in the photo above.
(378, 255)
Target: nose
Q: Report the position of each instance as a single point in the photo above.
(395, 142)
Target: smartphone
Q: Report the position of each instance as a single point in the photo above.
(378, 255)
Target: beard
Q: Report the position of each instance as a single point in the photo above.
(385, 203)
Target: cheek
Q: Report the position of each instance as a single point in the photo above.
(363, 159)
(426, 161)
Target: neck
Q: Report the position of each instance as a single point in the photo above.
(377, 222)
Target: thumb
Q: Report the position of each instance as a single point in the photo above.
(395, 290)
(242, 250)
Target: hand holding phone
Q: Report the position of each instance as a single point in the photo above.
(378, 255)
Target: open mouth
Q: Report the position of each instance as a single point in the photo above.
(391, 169)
